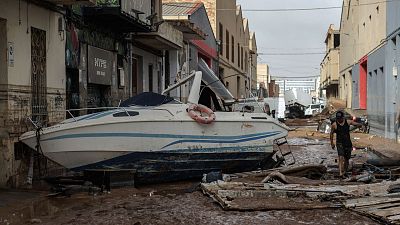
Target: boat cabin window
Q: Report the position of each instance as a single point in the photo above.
(248, 108)
(125, 113)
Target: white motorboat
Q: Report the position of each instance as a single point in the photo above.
(162, 142)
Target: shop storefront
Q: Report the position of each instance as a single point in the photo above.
(100, 68)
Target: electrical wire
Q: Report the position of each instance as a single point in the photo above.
(289, 9)
(293, 53)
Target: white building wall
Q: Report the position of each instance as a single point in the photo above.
(15, 83)
(20, 35)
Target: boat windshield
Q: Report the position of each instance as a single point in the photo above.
(148, 99)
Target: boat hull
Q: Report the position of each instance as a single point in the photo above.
(156, 167)
(173, 147)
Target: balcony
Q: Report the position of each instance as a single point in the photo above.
(123, 16)
(166, 38)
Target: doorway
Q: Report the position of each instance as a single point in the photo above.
(150, 77)
(363, 83)
(72, 91)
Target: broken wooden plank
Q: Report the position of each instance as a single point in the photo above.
(386, 212)
(394, 218)
(382, 206)
(361, 202)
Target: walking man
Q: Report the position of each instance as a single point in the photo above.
(343, 141)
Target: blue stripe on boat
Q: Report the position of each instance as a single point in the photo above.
(133, 135)
(223, 141)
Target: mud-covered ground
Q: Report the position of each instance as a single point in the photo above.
(176, 203)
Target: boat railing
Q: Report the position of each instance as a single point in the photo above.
(69, 111)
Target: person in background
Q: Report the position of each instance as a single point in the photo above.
(343, 141)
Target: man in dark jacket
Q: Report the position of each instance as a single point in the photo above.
(343, 141)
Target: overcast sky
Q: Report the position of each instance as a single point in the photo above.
(293, 31)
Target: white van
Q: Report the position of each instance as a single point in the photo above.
(313, 109)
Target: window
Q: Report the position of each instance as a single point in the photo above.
(238, 54)
(227, 84)
(246, 61)
(221, 39)
(227, 46)
(377, 9)
(125, 113)
(233, 49)
(241, 57)
(238, 86)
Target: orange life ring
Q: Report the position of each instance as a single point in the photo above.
(194, 108)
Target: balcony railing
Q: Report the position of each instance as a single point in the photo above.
(140, 9)
(122, 15)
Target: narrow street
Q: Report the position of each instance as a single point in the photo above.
(199, 112)
(181, 202)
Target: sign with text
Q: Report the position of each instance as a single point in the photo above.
(99, 66)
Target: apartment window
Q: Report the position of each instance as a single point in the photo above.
(377, 9)
(227, 46)
(238, 54)
(241, 57)
(233, 49)
(381, 68)
(246, 61)
(238, 86)
(221, 39)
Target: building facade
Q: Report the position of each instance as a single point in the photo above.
(330, 64)
(306, 85)
(199, 44)
(57, 57)
(237, 48)
(263, 78)
(32, 79)
(369, 61)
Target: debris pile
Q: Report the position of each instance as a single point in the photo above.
(367, 191)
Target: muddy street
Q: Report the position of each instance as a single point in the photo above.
(182, 203)
(172, 204)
